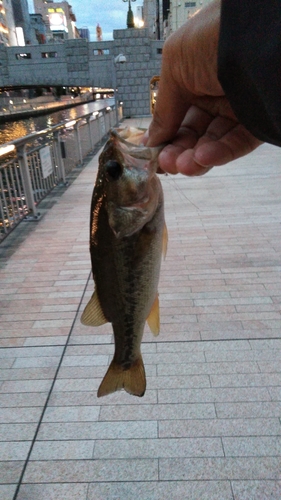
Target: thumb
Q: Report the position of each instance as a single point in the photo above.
(170, 110)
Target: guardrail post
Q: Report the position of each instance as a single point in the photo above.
(27, 185)
(58, 157)
(78, 142)
(112, 121)
(102, 128)
(89, 131)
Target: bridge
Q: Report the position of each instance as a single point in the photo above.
(88, 64)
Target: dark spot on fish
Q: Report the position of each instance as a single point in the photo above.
(113, 170)
(126, 365)
(130, 289)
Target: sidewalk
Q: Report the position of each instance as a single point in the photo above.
(208, 427)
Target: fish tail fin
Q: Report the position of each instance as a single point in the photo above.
(116, 378)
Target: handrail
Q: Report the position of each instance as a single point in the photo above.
(30, 169)
(53, 128)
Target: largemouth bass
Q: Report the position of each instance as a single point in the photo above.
(127, 237)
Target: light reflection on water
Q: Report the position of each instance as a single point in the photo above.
(13, 130)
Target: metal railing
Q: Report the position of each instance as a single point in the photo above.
(30, 167)
(15, 105)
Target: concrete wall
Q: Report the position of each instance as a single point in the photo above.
(143, 62)
(78, 63)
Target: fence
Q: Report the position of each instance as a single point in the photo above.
(38, 162)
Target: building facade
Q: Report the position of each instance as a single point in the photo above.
(39, 29)
(84, 33)
(163, 17)
(59, 18)
(18, 27)
(22, 20)
(8, 34)
(153, 18)
(182, 10)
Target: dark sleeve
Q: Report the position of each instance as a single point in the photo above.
(249, 64)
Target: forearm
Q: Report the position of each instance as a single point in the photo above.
(249, 64)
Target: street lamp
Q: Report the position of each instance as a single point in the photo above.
(130, 15)
(120, 59)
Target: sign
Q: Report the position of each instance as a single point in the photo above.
(58, 22)
(46, 161)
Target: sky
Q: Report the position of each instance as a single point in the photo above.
(110, 14)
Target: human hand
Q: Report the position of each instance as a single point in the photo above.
(192, 112)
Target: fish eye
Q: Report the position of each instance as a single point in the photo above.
(113, 169)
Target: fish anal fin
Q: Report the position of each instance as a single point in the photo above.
(116, 378)
(153, 319)
(93, 314)
(165, 241)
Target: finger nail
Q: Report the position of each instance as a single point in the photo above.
(197, 157)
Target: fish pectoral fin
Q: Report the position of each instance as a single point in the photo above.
(153, 318)
(116, 378)
(93, 314)
(165, 241)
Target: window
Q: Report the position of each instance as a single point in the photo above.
(100, 52)
(23, 56)
(47, 55)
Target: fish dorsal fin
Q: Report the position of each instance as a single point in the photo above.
(153, 317)
(93, 314)
(165, 241)
(116, 378)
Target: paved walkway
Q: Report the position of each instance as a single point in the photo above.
(208, 427)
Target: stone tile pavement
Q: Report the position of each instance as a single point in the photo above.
(208, 426)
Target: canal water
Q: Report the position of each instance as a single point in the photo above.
(10, 131)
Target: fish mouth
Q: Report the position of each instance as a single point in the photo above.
(137, 151)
